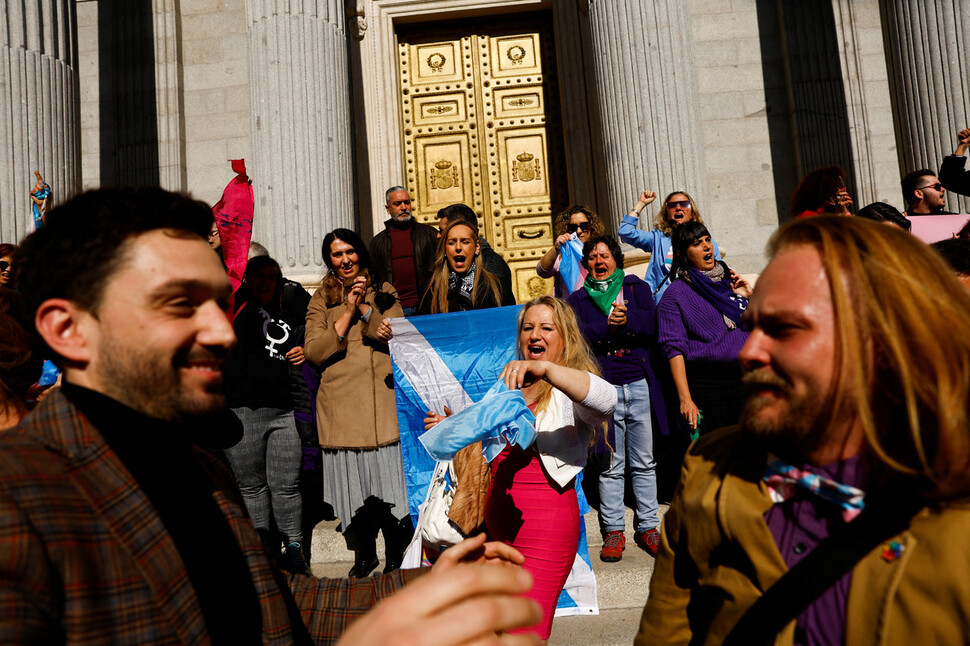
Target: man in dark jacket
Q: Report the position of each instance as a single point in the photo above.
(403, 253)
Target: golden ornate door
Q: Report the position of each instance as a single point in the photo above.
(481, 125)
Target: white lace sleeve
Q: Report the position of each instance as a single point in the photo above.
(600, 401)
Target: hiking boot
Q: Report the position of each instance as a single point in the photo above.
(613, 545)
(293, 560)
(648, 541)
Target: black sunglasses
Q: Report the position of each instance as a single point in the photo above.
(936, 187)
(582, 226)
(684, 204)
(4, 265)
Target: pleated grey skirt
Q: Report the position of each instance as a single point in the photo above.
(351, 476)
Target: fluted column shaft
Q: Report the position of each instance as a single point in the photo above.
(302, 166)
(39, 120)
(927, 44)
(647, 85)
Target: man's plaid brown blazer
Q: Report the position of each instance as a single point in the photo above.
(84, 558)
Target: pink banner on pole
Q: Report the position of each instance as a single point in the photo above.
(933, 228)
(234, 217)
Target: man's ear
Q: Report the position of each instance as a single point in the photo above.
(62, 325)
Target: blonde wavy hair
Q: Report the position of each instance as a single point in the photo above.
(902, 347)
(660, 220)
(438, 286)
(576, 353)
(563, 217)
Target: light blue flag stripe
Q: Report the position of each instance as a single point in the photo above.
(454, 359)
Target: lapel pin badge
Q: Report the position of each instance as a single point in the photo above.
(893, 551)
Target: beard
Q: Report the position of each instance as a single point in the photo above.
(796, 423)
(154, 385)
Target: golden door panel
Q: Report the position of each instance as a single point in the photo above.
(442, 170)
(527, 282)
(478, 111)
(515, 56)
(514, 103)
(435, 63)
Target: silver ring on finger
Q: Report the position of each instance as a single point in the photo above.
(515, 369)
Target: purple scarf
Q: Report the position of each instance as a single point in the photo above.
(719, 294)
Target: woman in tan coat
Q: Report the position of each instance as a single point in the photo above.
(346, 338)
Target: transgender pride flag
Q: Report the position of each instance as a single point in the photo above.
(453, 360)
(571, 264)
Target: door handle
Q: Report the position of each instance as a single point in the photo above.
(530, 235)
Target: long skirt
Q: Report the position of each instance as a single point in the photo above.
(353, 477)
(530, 512)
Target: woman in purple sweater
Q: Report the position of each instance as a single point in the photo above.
(700, 330)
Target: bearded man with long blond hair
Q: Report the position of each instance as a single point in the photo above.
(837, 512)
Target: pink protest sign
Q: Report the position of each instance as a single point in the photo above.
(234, 217)
(933, 228)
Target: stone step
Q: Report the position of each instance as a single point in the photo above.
(622, 585)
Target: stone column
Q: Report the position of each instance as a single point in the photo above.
(169, 106)
(39, 122)
(647, 86)
(926, 52)
(302, 165)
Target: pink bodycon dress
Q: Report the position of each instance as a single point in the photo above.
(529, 511)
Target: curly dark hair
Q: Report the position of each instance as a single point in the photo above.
(561, 221)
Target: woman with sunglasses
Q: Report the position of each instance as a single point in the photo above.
(6, 264)
(576, 219)
(678, 207)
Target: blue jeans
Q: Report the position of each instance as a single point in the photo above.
(633, 446)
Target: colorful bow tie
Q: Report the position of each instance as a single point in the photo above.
(783, 479)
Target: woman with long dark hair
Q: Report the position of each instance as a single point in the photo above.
(459, 280)
(268, 458)
(346, 338)
(701, 332)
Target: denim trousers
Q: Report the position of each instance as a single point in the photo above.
(266, 463)
(633, 449)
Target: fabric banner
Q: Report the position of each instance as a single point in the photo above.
(933, 228)
(453, 360)
(234, 217)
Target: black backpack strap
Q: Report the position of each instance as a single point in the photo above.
(822, 568)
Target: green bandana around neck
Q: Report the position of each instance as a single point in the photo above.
(604, 292)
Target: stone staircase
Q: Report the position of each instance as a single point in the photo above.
(622, 587)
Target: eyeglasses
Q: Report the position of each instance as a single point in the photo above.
(684, 204)
(582, 226)
(4, 265)
(936, 187)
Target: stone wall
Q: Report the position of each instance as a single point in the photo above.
(213, 90)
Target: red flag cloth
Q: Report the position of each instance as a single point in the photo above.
(234, 217)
